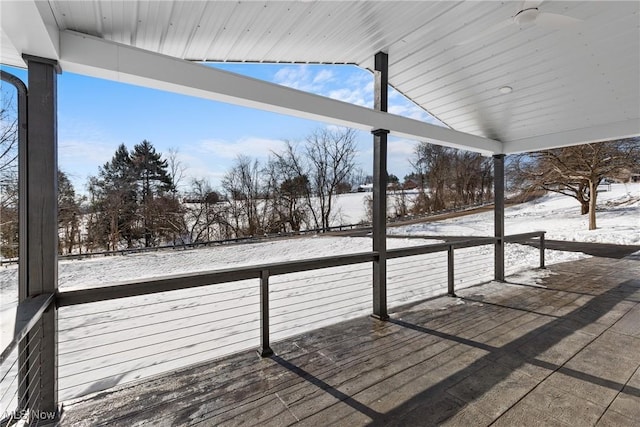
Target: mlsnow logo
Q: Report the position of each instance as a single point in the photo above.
(30, 415)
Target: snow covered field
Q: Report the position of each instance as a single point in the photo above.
(618, 219)
(109, 343)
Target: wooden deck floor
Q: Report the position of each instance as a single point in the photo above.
(564, 354)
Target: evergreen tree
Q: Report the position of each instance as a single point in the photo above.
(153, 178)
(114, 202)
(132, 198)
(68, 214)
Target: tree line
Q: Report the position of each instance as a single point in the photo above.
(134, 201)
(449, 178)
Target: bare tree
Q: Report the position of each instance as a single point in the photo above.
(8, 134)
(328, 163)
(294, 166)
(291, 189)
(577, 171)
(175, 168)
(8, 175)
(400, 202)
(473, 178)
(204, 218)
(450, 177)
(247, 195)
(433, 164)
(69, 214)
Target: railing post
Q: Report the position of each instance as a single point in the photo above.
(265, 348)
(450, 272)
(498, 193)
(542, 248)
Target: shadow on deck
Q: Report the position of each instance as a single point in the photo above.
(564, 352)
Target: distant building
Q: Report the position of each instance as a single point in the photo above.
(410, 184)
(365, 188)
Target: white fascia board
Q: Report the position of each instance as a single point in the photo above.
(31, 32)
(88, 55)
(605, 132)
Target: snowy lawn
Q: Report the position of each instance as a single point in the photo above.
(618, 219)
(109, 343)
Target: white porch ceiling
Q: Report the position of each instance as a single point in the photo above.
(579, 84)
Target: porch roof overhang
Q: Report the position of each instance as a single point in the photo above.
(570, 86)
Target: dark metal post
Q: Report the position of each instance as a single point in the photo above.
(381, 84)
(450, 272)
(498, 184)
(542, 248)
(21, 89)
(39, 193)
(23, 291)
(265, 348)
(379, 210)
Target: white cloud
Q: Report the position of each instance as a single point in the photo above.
(83, 145)
(323, 76)
(352, 96)
(411, 111)
(80, 159)
(356, 89)
(202, 169)
(401, 106)
(347, 84)
(255, 147)
(302, 77)
(84, 152)
(400, 148)
(398, 157)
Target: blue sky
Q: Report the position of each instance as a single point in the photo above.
(95, 116)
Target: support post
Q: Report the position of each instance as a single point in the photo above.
(498, 184)
(450, 272)
(381, 84)
(542, 249)
(379, 210)
(265, 348)
(39, 204)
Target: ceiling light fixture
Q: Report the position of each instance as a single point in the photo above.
(526, 16)
(505, 90)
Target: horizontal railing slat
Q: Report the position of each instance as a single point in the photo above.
(523, 236)
(439, 247)
(193, 280)
(417, 250)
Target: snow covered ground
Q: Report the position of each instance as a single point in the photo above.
(109, 343)
(617, 219)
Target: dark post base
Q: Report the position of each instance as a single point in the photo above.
(381, 318)
(265, 352)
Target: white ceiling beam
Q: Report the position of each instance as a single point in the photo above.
(88, 55)
(605, 132)
(31, 29)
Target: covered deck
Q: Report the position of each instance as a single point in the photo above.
(512, 354)
(564, 351)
